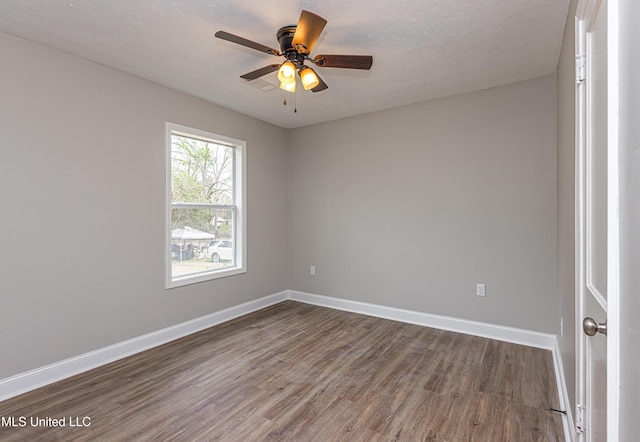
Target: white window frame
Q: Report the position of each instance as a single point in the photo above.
(239, 206)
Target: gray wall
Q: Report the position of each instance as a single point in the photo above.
(407, 208)
(83, 188)
(412, 207)
(566, 203)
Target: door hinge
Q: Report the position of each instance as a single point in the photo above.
(580, 418)
(581, 68)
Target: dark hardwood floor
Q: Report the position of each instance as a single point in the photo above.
(299, 372)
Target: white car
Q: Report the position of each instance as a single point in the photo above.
(221, 250)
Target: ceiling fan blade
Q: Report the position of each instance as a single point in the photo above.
(260, 72)
(309, 28)
(248, 43)
(344, 61)
(321, 86)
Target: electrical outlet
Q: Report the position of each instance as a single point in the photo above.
(312, 270)
(480, 290)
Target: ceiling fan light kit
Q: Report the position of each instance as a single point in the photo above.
(308, 77)
(296, 43)
(289, 87)
(287, 73)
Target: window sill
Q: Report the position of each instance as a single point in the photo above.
(202, 277)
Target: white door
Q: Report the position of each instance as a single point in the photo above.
(629, 160)
(596, 220)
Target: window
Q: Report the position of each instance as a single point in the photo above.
(206, 235)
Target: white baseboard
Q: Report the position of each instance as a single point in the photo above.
(492, 331)
(30, 380)
(42, 376)
(563, 396)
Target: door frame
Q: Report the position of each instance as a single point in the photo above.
(584, 12)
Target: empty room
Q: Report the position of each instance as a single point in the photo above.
(318, 221)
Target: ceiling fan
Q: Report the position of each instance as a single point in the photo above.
(296, 43)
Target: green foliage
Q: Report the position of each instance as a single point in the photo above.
(185, 188)
(209, 165)
(200, 219)
(223, 231)
(201, 172)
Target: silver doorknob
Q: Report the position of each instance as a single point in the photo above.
(591, 327)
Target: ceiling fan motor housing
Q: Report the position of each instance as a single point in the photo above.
(285, 38)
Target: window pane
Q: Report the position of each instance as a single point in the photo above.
(201, 171)
(206, 191)
(201, 240)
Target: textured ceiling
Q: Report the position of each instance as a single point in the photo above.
(421, 49)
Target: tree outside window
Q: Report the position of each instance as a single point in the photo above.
(204, 209)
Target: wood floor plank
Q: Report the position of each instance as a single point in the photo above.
(299, 372)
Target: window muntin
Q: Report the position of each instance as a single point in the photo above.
(205, 206)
